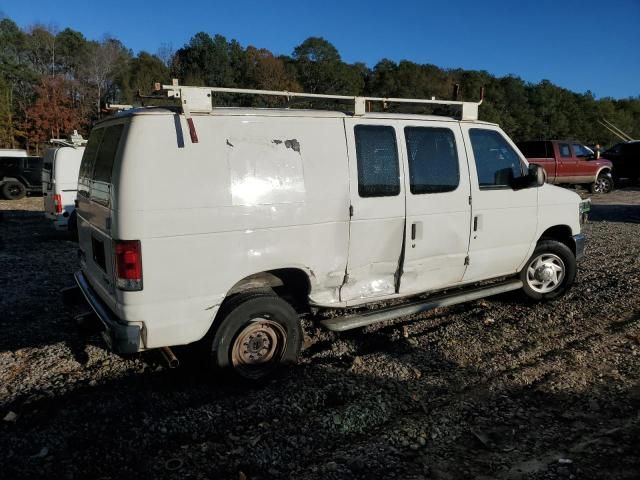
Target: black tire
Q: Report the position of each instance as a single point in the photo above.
(13, 190)
(257, 334)
(603, 184)
(542, 267)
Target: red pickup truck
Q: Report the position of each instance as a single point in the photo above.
(568, 162)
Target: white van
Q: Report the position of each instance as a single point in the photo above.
(222, 225)
(60, 179)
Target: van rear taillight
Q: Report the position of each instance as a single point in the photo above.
(57, 203)
(128, 256)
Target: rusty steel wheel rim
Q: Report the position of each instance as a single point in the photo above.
(258, 347)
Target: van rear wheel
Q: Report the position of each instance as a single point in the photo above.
(13, 190)
(258, 334)
(550, 271)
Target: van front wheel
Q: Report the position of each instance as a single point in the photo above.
(258, 334)
(550, 271)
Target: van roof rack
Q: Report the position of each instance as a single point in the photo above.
(199, 99)
(75, 140)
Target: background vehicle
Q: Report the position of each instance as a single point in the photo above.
(567, 162)
(223, 226)
(625, 158)
(19, 174)
(60, 179)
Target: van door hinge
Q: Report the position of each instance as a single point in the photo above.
(469, 199)
(351, 210)
(466, 260)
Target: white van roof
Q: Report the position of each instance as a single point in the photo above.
(287, 112)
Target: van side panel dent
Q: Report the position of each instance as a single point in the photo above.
(264, 173)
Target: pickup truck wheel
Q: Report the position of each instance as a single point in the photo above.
(603, 184)
(258, 334)
(550, 271)
(13, 190)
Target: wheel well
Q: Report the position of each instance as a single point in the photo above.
(560, 233)
(292, 284)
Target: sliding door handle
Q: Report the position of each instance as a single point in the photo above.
(413, 231)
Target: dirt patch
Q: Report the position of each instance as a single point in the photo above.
(494, 389)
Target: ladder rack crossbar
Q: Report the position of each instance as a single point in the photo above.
(199, 98)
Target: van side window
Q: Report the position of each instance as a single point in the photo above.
(564, 150)
(496, 162)
(377, 152)
(88, 161)
(433, 160)
(107, 153)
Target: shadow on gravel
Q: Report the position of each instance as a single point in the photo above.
(36, 262)
(325, 420)
(615, 213)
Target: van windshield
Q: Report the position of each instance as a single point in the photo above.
(97, 162)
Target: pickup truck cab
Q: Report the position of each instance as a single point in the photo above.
(220, 226)
(568, 162)
(60, 180)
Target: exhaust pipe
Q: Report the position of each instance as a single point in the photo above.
(169, 357)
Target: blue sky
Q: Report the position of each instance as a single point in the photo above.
(580, 45)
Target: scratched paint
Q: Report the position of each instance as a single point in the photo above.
(262, 172)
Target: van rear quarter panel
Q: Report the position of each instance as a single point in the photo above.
(255, 193)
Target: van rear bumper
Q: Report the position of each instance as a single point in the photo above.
(120, 337)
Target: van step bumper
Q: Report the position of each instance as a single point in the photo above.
(120, 337)
(340, 324)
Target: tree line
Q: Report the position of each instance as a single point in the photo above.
(53, 82)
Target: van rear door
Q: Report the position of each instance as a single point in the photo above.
(95, 207)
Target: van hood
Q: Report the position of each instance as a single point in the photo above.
(554, 195)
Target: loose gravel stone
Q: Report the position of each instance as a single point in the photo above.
(537, 382)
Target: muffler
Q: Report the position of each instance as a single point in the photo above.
(169, 357)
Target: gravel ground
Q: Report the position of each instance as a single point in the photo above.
(494, 389)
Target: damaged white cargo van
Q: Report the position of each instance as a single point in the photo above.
(222, 225)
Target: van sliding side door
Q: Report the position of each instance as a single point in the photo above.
(376, 231)
(438, 206)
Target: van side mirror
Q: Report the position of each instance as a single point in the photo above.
(536, 177)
